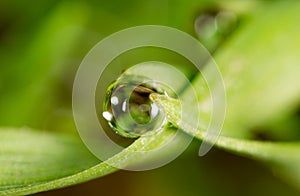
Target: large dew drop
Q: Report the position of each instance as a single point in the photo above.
(128, 108)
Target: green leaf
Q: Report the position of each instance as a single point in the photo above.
(282, 157)
(261, 75)
(31, 157)
(35, 161)
(43, 60)
(260, 67)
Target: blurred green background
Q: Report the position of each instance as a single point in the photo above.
(42, 43)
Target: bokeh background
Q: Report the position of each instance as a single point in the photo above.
(42, 43)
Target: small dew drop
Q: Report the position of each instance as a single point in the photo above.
(213, 26)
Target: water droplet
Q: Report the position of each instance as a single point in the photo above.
(213, 26)
(128, 108)
(226, 22)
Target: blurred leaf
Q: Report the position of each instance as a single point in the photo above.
(31, 76)
(260, 67)
(28, 158)
(282, 157)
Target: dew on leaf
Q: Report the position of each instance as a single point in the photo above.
(128, 109)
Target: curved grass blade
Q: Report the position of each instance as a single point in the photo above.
(282, 157)
(35, 161)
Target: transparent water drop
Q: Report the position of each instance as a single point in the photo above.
(225, 22)
(213, 26)
(128, 108)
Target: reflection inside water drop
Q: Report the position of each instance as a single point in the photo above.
(128, 108)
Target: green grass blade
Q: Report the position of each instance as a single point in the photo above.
(260, 67)
(35, 161)
(282, 157)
